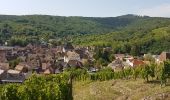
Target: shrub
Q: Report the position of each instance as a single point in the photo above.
(52, 87)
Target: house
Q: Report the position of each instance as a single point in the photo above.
(75, 63)
(21, 51)
(71, 56)
(119, 56)
(126, 65)
(128, 57)
(117, 65)
(5, 53)
(138, 63)
(45, 65)
(2, 72)
(47, 58)
(13, 76)
(14, 72)
(26, 65)
(156, 57)
(164, 56)
(53, 70)
(83, 52)
(59, 49)
(58, 71)
(62, 65)
(38, 70)
(29, 46)
(22, 58)
(68, 47)
(4, 66)
(6, 48)
(48, 71)
(21, 68)
(34, 60)
(129, 62)
(135, 62)
(3, 56)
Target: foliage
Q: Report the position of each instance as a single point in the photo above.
(141, 36)
(13, 63)
(103, 57)
(103, 75)
(57, 87)
(125, 34)
(153, 71)
(165, 72)
(52, 87)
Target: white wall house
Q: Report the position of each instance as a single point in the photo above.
(129, 62)
(71, 56)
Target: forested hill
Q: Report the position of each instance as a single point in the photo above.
(128, 33)
(44, 26)
(61, 26)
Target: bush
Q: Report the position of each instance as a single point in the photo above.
(52, 87)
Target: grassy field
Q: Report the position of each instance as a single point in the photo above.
(120, 90)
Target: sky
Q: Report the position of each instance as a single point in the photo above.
(86, 8)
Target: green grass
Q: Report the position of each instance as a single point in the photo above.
(119, 90)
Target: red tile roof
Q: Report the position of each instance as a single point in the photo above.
(137, 62)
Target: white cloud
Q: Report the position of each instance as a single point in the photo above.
(157, 11)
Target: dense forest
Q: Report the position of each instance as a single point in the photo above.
(125, 34)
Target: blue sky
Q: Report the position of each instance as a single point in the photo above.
(91, 8)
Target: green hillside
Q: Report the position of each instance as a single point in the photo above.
(126, 34)
(143, 35)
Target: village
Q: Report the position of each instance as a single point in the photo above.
(18, 63)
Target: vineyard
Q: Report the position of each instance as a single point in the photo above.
(152, 72)
(59, 87)
(52, 87)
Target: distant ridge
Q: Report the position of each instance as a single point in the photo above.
(148, 34)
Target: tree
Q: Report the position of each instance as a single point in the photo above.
(106, 55)
(52, 87)
(13, 63)
(86, 64)
(165, 72)
(135, 50)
